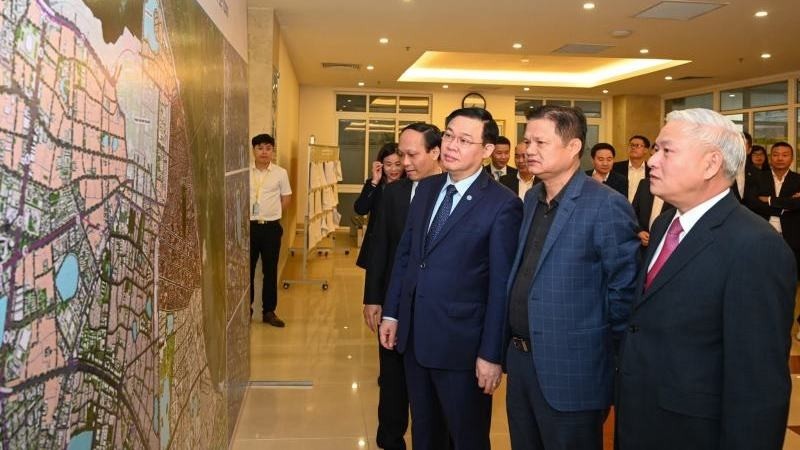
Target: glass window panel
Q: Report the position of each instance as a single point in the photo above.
(592, 137)
(523, 105)
(351, 103)
(521, 131)
(352, 139)
(590, 108)
(755, 96)
(380, 132)
(382, 104)
(692, 101)
(346, 202)
(414, 105)
(740, 120)
(559, 102)
(770, 127)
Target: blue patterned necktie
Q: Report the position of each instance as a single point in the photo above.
(441, 216)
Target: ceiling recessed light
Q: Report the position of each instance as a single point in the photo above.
(524, 60)
(621, 33)
(588, 5)
(605, 91)
(644, 51)
(731, 95)
(370, 67)
(349, 100)
(526, 89)
(761, 14)
(361, 83)
(668, 77)
(383, 40)
(517, 45)
(445, 86)
(766, 56)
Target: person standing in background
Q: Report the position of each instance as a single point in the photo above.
(499, 167)
(270, 194)
(386, 169)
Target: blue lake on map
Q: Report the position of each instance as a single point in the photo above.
(81, 441)
(150, 24)
(67, 277)
(164, 413)
(3, 305)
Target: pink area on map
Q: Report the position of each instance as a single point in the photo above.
(42, 167)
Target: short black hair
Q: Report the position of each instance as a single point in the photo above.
(263, 139)
(490, 130)
(502, 140)
(643, 139)
(782, 144)
(431, 133)
(748, 138)
(570, 122)
(602, 146)
(758, 148)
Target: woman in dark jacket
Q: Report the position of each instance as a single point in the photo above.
(385, 169)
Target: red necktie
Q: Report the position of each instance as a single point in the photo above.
(670, 243)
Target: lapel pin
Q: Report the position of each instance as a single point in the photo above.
(469, 197)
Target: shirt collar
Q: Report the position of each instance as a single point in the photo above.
(692, 216)
(560, 195)
(269, 168)
(605, 178)
(463, 185)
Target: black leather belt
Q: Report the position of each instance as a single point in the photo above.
(521, 344)
(264, 222)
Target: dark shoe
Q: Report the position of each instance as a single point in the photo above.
(273, 320)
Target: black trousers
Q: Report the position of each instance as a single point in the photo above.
(392, 401)
(534, 424)
(265, 242)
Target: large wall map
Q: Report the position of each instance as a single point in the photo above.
(115, 332)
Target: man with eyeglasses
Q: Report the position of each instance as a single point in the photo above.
(446, 305)
(634, 169)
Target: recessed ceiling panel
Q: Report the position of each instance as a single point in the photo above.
(671, 10)
(509, 70)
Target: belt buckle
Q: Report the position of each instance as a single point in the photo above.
(520, 344)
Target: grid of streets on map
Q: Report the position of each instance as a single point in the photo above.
(89, 355)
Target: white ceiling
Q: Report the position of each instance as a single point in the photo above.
(724, 44)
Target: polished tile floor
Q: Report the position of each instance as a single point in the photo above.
(315, 381)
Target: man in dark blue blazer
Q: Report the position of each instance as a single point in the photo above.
(570, 292)
(705, 361)
(446, 306)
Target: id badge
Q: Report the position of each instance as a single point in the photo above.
(256, 208)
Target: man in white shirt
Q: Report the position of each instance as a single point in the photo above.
(523, 180)
(704, 363)
(500, 155)
(635, 168)
(270, 194)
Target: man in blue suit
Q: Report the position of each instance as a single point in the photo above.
(446, 306)
(571, 288)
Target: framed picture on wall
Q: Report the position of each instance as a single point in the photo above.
(501, 126)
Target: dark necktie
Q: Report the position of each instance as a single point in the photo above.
(670, 243)
(441, 216)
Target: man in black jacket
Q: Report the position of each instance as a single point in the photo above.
(419, 148)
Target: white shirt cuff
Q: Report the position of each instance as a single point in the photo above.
(389, 318)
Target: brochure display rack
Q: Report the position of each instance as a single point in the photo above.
(321, 217)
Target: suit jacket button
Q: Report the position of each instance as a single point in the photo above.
(633, 328)
(422, 266)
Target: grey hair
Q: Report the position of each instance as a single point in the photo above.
(713, 129)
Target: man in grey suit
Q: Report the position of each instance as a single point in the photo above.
(571, 287)
(704, 364)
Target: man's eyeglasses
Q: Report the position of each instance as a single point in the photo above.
(460, 141)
